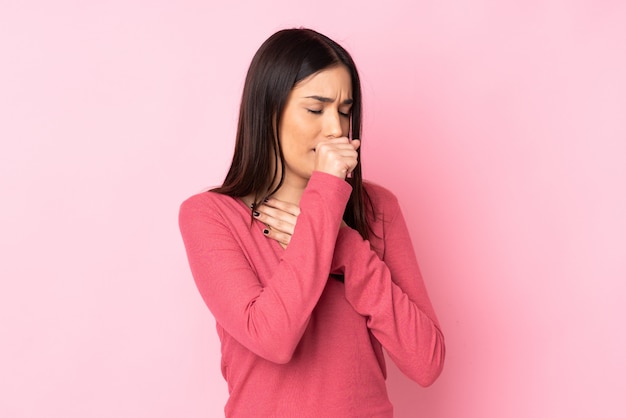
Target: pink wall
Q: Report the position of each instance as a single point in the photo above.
(499, 125)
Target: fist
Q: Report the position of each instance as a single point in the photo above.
(337, 156)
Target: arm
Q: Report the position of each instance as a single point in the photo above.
(267, 319)
(392, 295)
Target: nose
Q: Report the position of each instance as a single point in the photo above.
(332, 125)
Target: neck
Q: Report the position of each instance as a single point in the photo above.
(291, 191)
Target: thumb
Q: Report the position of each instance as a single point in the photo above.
(356, 143)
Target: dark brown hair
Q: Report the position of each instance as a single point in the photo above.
(283, 60)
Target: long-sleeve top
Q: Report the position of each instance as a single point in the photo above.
(294, 340)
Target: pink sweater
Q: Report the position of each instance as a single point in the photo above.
(294, 341)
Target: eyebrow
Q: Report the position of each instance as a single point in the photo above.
(329, 100)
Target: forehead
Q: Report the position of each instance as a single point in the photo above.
(330, 82)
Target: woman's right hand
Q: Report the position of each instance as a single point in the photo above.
(337, 156)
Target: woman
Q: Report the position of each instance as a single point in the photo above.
(308, 271)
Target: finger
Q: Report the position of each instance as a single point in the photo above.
(276, 218)
(336, 154)
(275, 224)
(288, 207)
(276, 213)
(281, 237)
(343, 148)
(356, 143)
(279, 225)
(334, 143)
(339, 140)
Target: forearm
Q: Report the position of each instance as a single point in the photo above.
(266, 314)
(396, 304)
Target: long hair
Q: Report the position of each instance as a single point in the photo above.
(283, 60)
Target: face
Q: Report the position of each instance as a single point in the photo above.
(317, 109)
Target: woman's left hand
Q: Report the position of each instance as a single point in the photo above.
(279, 218)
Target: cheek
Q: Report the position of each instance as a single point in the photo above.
(294, 144)
(345, 127)
(300, 135)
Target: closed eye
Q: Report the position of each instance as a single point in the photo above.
(319, 112)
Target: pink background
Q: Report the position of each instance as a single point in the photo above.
(500, 126)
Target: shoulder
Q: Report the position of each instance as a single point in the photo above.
(201, 201)
(385, 203)
(207, 204)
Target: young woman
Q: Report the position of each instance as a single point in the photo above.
(308, 271)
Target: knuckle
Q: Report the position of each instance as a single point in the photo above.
(280, 224)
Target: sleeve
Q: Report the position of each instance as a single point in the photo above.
(393, 297)
(268, 320)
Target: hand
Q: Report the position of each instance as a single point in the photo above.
(280, 219)
(337, 156)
